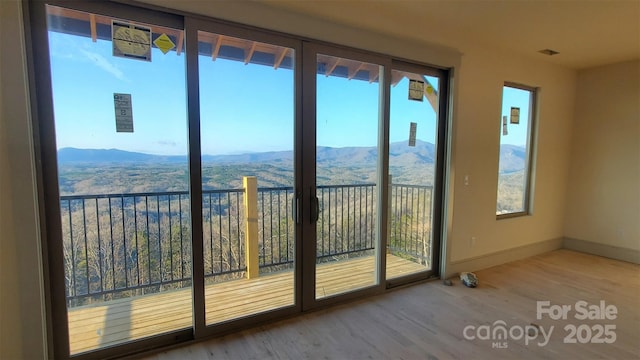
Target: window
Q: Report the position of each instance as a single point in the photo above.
(516, 142)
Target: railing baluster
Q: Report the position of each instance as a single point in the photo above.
(366, 218)
(146, 212)
(419, 223)
(411, 224)
(373, 217)
(402, 221)
(238, 229)
(124, 249)
(264, 234)
(73, 253)
(425, 243)
(322, 236)
(348, 220)
(396, 211)
(220, 230)
(170, 237)
(229, 224)
(159, 240)
(86, 250)
(286, 220)
(360, 217)
(271, 223)
(99, 246)
(211, 234)
(279, 231)
(113, 265)
(354, 219)
(430, 219)
(135, 233)
(330, 222)
(181, 242)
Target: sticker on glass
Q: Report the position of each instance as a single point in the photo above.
(124, 112)
(164, 43)
(416, 90)
(413, 127)
(131, 41)
(515, 115)
(430, 89)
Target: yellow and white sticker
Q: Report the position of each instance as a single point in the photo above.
(164, 43)
(131, 41)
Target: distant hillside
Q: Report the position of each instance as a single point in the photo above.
(73, 155)
(512, 158)
(400, 154)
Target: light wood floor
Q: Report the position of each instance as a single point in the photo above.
(113, 322)
(426, 321)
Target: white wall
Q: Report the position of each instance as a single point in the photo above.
(604, 197)
(483, 73)
(21, 295)
(479, 75)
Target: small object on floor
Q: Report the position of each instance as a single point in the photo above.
(534, 329)
(447, 282)
(469, 279)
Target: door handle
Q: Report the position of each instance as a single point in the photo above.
(296, 207)
(315, 208)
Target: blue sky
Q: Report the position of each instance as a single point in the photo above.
(244, 108)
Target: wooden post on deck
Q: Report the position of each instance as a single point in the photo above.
(250, 185)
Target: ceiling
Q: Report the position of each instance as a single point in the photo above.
(586, 33)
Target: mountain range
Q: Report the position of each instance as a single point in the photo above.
(512, 157)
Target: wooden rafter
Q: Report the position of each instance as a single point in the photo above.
(92, 24)
(280, 58)
(248, 53)
(374, 74)
(180, 42)
(354, 71)
(216, 47)
(396, 77)
(331, 66)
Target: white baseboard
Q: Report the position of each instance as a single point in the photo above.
(501, 257)
(609, 251)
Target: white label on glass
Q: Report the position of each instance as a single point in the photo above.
(124, 112)
(412, 134)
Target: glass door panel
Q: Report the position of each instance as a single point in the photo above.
(413, 134)
(347, 120)
(121, 132)
(247, 139)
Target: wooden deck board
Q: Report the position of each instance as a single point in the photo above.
(121, 320)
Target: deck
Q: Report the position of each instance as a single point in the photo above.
(110, 323)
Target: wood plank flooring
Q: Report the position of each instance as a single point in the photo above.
(426, 321)
(114, 322)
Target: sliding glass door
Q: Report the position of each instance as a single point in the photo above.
(119, 96)
(247, 117)
(414, 160)
(347, 122)
(345, 104)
